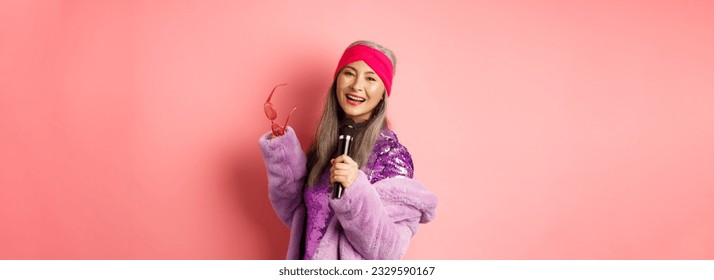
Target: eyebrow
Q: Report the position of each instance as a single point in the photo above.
(355, 69)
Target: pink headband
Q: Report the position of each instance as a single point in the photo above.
(376, 60)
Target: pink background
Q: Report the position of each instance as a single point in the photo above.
(548, 129)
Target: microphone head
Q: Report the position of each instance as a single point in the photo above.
(347, 127)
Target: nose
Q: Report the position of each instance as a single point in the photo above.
(357, 84)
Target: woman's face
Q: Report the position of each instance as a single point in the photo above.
(359, 90)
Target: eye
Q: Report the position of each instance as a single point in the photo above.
(372, 79)
(349, 73)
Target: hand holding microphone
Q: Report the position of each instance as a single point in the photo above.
(343, 173)
(344, 170)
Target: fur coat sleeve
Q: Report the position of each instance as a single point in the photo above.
(379, 219)
(286, 165)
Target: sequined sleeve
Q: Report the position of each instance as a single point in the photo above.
(392, 160)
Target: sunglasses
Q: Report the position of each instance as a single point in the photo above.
(272, 114)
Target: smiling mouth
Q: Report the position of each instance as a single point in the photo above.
(355, 98)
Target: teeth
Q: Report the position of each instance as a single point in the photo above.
(350, 97)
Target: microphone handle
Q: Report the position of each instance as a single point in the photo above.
(344, 149)
(337, 190)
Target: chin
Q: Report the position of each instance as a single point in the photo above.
(351, 116)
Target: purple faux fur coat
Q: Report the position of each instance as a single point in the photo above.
(371, 221)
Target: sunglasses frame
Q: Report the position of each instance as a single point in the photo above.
(272, 114)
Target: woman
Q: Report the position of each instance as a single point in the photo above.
(382, 204)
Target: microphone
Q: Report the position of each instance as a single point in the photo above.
(347, 135)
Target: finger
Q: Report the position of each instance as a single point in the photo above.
(344, 166)
(345, 181)
(333, 179)
(336, 179)
(335, 160)
(343, 172)
(343, 158)
(347, 159)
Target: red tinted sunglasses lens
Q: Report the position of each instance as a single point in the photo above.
(277, 130)
(270, 111)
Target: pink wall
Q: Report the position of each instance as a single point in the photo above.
(551, 130)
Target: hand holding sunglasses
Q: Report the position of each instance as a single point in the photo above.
(272, 114)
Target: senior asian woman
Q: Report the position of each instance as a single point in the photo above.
(382, 204)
